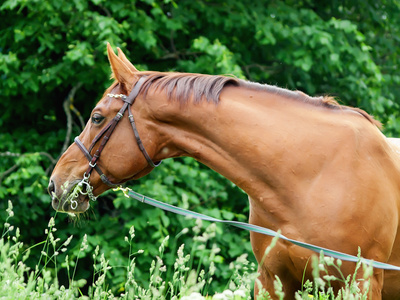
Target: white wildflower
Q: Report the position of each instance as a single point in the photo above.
(193, 296)
(66, 243)
(84, 243)
(132, 232)
(228, 294)
(51, 222)
(240, 293)
(9, 209)
(219, 297)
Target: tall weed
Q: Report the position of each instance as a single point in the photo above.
(181, 280)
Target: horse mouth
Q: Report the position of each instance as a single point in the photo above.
(76, 205)
(72, 200)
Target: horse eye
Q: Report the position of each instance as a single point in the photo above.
(97, 119)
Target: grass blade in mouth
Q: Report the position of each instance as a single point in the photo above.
(83, 187)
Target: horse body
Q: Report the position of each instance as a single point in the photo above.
(327, 180)
(320, 174)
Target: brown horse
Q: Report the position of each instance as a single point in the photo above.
(320, 172)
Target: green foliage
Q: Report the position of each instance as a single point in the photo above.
(193, 189)
(321, 287)
(180, 279)
(50, 48)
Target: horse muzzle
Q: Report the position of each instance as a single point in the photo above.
(70, 197)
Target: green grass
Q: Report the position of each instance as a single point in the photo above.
(183, 280)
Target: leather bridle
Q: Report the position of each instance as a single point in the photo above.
(106, 134)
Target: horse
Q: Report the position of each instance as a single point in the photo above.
(320, 172)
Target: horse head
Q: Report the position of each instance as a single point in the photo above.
(81, 173)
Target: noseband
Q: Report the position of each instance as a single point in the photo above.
(108, 130)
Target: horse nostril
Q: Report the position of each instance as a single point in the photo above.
(51, 188)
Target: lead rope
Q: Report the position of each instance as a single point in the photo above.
(250, 227)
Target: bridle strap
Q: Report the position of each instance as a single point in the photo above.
(108, 130)
(139, 141)
(130, 100)
(107, 133)
(135, 91)
(103, 177)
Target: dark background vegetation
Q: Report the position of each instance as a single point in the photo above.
(53, 69)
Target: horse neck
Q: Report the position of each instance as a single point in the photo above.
(272, 147)
(249, 134)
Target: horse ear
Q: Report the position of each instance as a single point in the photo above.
(121, 71)
(122, 56)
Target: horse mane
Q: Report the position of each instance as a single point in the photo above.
(200, 87)
(185, 86)
(322, 101)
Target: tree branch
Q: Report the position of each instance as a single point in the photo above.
(67, 109)
(13, 154)
(78, 115)
(263, 68)
(14, 167)
(178, 54)
(9, 171)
